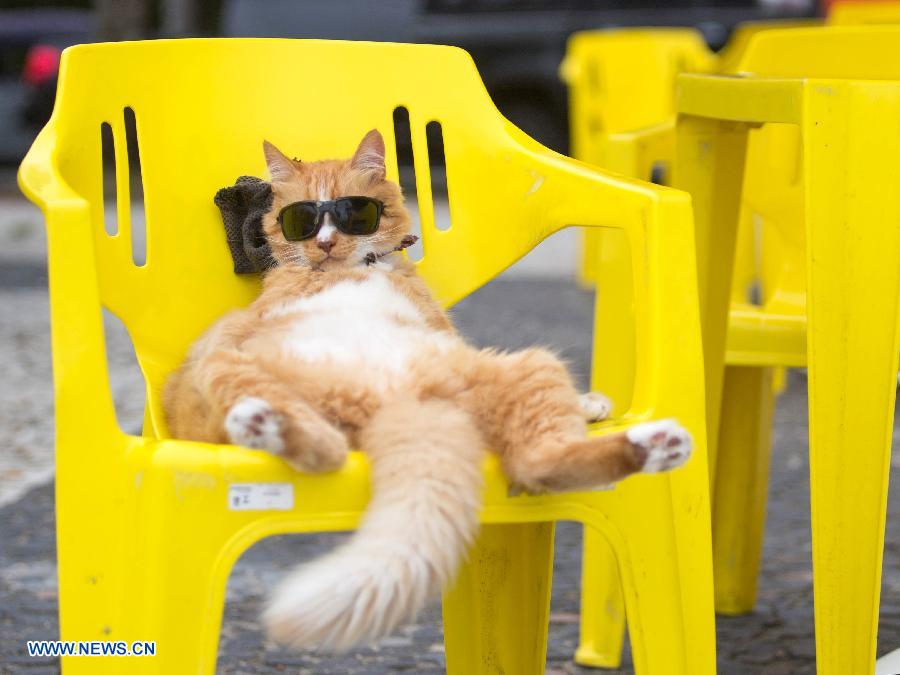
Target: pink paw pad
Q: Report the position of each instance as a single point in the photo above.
(663, 444)
(252, 423)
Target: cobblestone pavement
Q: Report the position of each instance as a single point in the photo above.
(775, 639)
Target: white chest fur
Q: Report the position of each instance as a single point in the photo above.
(366, 324)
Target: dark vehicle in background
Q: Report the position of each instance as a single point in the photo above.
(517, 44)
(30, 43)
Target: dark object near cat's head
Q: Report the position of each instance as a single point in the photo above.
(243, 206)
(251, 211)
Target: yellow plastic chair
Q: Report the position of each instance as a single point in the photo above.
(622, 113)
(769, 273)
(146, 538)
(840, 87)
(770, 332)
(623, 80)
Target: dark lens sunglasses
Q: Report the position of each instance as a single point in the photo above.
(352, 215)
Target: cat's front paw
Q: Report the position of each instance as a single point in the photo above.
(252, 423)
(595, 406)
(661, 445)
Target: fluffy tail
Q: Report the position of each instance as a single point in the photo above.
(423, 515)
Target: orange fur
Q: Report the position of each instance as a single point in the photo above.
(423, 422)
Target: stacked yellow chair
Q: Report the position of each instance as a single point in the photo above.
(734, 170)
(767, 316)
(146, 538)
(841, 88)
(622, 117)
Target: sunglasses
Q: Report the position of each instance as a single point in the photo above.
(352, 215)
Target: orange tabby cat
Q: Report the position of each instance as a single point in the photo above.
(345, 347)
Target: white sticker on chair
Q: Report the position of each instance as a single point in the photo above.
(260, 497)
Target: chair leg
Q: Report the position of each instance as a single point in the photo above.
(178, 599)
(613, 367)
(602, 605)
(741, 481)
(588, 256)
(89, 597)
(853, 258)
(710, 166)
(169, 568)
(668, 597)
(172, 600)
(191, 618)
(779, 380)
(497, 613)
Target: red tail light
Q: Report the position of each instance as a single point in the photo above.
(41, 64)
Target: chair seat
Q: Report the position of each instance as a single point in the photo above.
(202, 474)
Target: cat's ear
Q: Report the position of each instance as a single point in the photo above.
(369, 156)
(280, 167)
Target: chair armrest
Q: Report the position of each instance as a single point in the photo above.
(84, 407)
(39, 178)
(659, 225)
(634, 153)
(740, 99)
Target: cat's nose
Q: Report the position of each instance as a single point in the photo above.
(325, 244)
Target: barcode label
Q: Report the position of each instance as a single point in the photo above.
(260, 497)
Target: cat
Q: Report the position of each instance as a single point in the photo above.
(346, 347)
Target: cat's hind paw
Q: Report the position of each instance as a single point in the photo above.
(316, 447)
(595, 406)
(664, 444)
(252, 423)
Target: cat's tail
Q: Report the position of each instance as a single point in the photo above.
(426, 475)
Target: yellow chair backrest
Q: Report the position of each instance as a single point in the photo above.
(772, 188)
(835, 52)
(733, 51)
(593, 70)
(622, 81)
(202, 109)
(860, 13)
(769, 264)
